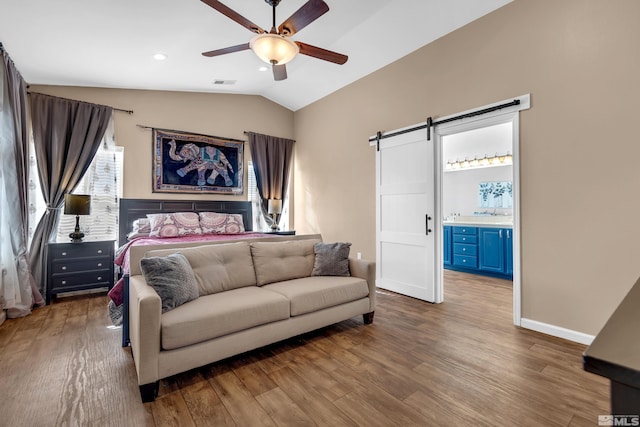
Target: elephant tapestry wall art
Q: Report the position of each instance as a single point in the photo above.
(192, 163)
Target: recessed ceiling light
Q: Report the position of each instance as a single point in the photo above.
(159, 56)
(263, 68)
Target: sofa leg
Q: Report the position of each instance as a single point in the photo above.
(149, 392)
(368, 318)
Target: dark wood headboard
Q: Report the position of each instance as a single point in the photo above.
(132, 209)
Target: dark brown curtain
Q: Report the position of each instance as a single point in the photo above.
(66, 134)
(271, 157)
(18, 294)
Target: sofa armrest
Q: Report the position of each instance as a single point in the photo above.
(365, 270)
(145, 311)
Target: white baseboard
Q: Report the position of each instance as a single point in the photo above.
(557, 331)
(3, 316)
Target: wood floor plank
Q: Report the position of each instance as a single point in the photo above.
(283, 410)
(171, 410)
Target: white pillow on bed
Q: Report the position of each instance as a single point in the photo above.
(141, 228)
(174, 224)
(220, 223)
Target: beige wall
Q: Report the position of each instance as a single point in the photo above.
(210, 114)
(580, 61)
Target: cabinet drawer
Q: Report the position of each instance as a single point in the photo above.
(472, 231)
(67, 282)
(464, 238)
(465, 261)
(79, 264)
(464, 249)
(81, 250)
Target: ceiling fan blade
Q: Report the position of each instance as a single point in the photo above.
(232, 14)
(324, 54)
(309, 12)
(279, 72)
(226, 50)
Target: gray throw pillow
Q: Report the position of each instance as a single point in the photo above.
(332, 259)
(172, 278)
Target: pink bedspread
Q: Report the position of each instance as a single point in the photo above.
(122, 257)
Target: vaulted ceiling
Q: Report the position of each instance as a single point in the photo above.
(111, 44)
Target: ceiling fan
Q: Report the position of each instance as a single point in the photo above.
(275, 47)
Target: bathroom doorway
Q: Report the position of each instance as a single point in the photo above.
(479, 203)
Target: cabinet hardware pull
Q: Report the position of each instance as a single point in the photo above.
(64, 254)
(464, 249)
(99, 277)
(64, 267)
(99, 264)
(427, 218)
(99, 251)
(500, 233)
(64, 282)
(508, 234)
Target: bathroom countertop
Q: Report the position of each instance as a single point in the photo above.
(497, 221)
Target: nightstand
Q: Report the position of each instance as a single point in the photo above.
(79, 266)
(281, 232)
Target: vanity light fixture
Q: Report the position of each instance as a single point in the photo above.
(485, 162)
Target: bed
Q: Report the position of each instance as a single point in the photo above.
(134, 209)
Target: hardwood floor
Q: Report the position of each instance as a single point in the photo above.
(457, 363)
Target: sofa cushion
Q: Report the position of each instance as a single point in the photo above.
(218, 268)
(277, 261)
(317, 292)
(331, 259)
(220, 314)
(172, 279)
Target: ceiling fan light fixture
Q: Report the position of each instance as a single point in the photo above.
(273, 48)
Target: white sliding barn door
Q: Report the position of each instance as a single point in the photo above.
(405, 192)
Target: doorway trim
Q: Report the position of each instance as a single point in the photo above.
(506, 115)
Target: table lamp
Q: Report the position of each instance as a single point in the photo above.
(77, 204)
(274, 208)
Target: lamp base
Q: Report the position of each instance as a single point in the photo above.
(76, 236)
(274, 227)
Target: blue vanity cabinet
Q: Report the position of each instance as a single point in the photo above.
(446, 250)
(479, 250)
(492, 249)
(508, 252)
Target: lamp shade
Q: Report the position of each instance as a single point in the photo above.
(274, 206)
(77, 204)
(273, 48)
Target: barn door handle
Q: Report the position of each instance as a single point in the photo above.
(426, 222)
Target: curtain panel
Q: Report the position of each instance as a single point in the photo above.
(66, 135)
(271, 158)
(18, 293)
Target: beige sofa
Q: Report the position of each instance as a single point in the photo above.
(251, 294)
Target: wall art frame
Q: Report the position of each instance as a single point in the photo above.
(192, 163)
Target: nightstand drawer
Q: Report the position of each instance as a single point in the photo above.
(79, 264)
(80, 250)
(77, 281)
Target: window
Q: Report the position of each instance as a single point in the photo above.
(254, 197)
(103, 181)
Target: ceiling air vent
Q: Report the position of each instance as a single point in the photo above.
(224, 82)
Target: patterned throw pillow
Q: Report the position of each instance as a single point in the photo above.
(332, 259)
(172, 278)
(219, 223)
(174, 224)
